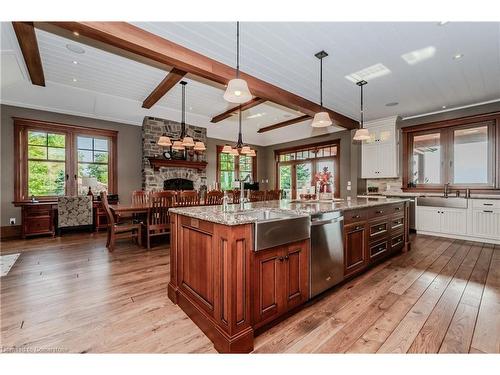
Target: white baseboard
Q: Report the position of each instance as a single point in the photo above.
(459, 237)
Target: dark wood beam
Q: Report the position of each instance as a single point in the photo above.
(125, 39)
(284, 123)
(168, 82)
(26, 37)
(250, 104)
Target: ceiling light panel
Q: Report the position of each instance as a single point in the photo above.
(419, 55)
(369, 73)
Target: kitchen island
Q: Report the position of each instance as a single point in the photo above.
(231, 280)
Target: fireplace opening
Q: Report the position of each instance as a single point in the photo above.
(178, 184)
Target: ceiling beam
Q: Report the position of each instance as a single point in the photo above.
(250, 104)
(26, 37)
(284, 123)
(122, 37)
(168, 82)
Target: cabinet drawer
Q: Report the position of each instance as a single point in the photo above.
(397, 223)
(38, 211)
(398, 208)
(485, 203)
(353, 216)
(397, 241)
(379, 249)
(379, 211)
(378, 229)
(42, 224)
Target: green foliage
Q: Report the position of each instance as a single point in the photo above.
(45, 178)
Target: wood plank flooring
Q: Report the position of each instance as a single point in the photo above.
(69, 294)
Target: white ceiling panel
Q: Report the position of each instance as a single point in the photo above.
(108, 86)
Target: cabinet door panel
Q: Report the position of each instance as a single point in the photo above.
(296, 267)
(454, 221)
(428, 219)
(387, 160)
(486, 223)
(369, 163)
(355, 248)
(267, 284)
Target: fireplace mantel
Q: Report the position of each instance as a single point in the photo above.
(157, 163)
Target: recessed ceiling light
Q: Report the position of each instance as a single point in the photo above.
(74, 48)
(76, 33)
(392, 104)
(366, 74)
(419, 55)
(458, 56)
(443, 107)
(442, 23)
(260, 114)
(75, 62)
(75, 80)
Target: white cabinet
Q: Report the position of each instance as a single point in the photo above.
(486, 223)
(379, 154)
(442, 220)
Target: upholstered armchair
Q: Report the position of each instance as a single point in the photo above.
(74, 211)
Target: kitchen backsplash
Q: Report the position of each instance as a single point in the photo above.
(385, 184)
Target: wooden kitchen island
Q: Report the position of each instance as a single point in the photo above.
(229, 290)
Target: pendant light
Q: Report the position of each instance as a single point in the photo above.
(321, 119)
(164, 141)
(361, 134)
(186, 141)
(239, 148)
(237, 89)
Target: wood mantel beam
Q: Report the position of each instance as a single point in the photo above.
(168, 82)
(26, 37)
(284, 123)
(123, 38)
(250, 104)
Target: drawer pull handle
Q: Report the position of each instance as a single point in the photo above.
(358, 227)
(281, 259)
(379, 212)
(356, 217)
(397, 208)
(487, 204)
(488, 211)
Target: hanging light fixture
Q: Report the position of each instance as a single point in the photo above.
(361, 134)
(164, 141)
(226, 149)
(239, 148)
(199, 146)
(321, 119)
(237, 89)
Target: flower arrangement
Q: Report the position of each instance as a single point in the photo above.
(324, 179)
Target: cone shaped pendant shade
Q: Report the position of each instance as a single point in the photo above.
(237, 89)
(321, 119)
(361, 134)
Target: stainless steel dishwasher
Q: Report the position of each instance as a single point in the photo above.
(327, 252)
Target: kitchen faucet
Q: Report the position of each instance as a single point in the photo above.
(446, 190)
(244, 200)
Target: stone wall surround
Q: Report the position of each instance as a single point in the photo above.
(152, 129)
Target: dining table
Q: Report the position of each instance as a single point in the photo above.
(134, 208)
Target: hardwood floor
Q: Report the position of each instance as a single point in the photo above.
(69, 294)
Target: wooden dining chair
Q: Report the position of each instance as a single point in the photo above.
(140, 197)
(158, 220)
(272, 195)
(121, 230)
(257, 196)
(214, 197)
(187, 198)
(235, 194)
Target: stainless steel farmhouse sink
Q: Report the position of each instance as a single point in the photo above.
(275, 228)
(450, 202)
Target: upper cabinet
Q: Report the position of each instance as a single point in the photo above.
(379, 154)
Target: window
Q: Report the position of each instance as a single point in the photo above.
(46, 163)
(462, 153)
(57, 159)
(297, 167)
(231, 167)
(93, 161)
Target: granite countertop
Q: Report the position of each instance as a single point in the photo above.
(451, 195)
(234, 216)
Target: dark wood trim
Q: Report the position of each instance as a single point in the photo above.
(446, 127)
(232, 111)
(9, 232)
(26, 37)
(126, 39)
(284, 123)
(22, 125)
(158, 163)
(236, 165)
(168, 82)
(309, 146)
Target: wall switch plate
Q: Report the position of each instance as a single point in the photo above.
(12, 221)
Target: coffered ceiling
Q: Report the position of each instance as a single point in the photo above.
(419, 72)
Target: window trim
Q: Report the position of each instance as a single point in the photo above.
(236, 165)
(446, 128)
(21, 128)
(293, 163)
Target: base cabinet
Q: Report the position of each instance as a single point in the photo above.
(355, 248)
(280, 281)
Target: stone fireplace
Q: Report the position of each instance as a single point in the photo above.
(154, 180)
